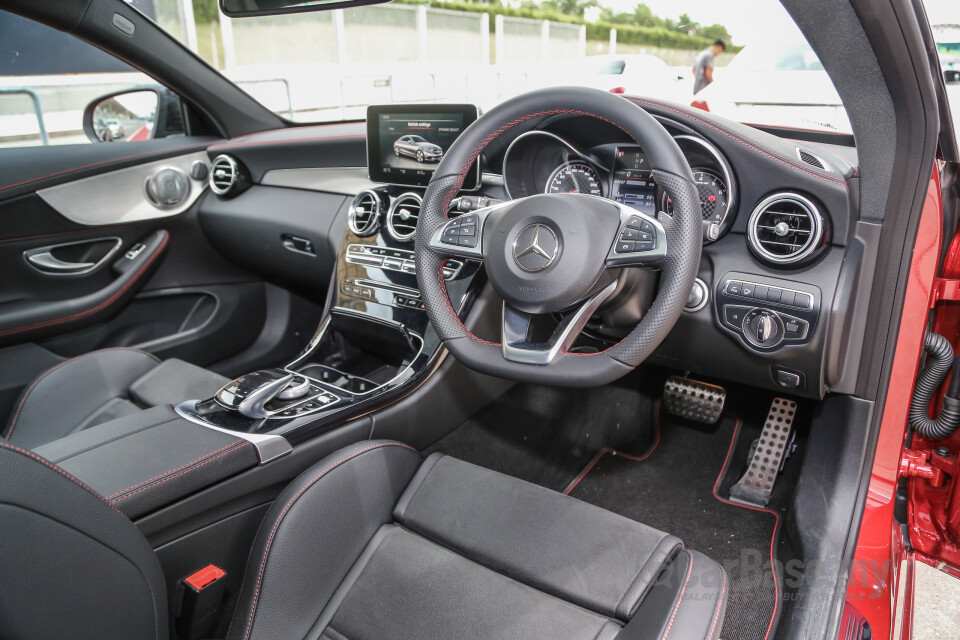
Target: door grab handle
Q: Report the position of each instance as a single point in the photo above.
(43, 260)
(47, 262)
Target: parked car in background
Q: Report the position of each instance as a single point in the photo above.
(417, 147)
(776, 83)
(632, 74)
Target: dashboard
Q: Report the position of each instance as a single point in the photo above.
(778, 299)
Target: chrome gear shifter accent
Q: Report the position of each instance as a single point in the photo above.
(249, 394)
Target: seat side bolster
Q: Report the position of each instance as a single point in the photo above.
(84, 384)
(314, 533)
(688, 601)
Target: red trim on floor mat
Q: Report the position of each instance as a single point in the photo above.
(716, 485)
(603, 452)
(776, 524)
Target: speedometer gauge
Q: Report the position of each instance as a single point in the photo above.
(714, 196)
(575, 177)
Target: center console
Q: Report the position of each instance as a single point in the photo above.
(375, 342)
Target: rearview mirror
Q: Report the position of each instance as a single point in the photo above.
(244, 8)
(133, 115)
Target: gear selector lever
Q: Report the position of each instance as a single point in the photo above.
(250, 393)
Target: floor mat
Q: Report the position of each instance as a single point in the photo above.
(546, 435)
(673, 488)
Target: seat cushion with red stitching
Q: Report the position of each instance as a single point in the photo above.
(72, 566)
(373, 542)
(98, 387)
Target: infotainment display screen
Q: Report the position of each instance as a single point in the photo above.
(405, 143)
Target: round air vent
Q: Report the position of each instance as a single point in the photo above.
(224, 175)
(403, 216)
(363, 217)
(785, 228)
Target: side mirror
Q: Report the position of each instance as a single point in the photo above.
(133, 115)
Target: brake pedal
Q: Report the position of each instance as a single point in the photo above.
(693, 400)
(766, 461)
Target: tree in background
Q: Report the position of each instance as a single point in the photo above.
(643, 16)
(566, 7)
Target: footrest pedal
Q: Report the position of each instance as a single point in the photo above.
(693, 400)
(766, 460)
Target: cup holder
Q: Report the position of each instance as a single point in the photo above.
(339, 379)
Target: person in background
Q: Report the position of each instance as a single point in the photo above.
(703, 67)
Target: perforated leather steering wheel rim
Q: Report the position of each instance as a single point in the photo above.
(678, 267)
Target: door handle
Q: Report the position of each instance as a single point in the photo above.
(46, 262)
(43, 259)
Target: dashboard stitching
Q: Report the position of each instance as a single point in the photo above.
(269, 143)
(732, 135)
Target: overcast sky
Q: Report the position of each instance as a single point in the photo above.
(747, 20)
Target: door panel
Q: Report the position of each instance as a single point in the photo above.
(66, 281)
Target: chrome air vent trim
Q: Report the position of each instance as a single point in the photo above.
(224, 173)
(363, 217)
(403, 216)
(785, 228)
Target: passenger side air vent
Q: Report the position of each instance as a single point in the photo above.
(403, 216)
(363, 217)
(226, 177)
(785, 228)
(811, 159)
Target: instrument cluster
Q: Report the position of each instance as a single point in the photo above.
(543, 162)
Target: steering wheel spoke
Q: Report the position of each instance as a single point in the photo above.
(463, 236)
(517, 325)
(641, 240)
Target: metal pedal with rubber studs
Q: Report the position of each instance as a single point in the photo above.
(693, 400)
(756, 485)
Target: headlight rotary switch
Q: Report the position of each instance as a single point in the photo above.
(763, 328)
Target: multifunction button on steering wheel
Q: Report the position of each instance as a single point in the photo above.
(553, 253)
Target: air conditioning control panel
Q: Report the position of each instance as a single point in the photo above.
(767, 314)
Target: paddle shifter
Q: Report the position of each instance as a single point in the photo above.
(250, 394)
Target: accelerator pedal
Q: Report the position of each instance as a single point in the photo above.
(693, 400)
(766, 459)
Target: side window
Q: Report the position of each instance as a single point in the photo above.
(56, 89)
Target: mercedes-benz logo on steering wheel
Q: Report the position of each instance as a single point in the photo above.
(536, 247)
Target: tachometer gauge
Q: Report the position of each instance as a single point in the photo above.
(714, 196)
(575, 177)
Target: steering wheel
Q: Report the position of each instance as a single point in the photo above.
(559, 252)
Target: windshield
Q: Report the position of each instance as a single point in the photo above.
(742, 59)
(328, 66)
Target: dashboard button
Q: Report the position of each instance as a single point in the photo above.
(626, 247)
(760, 292)
(803, 300)
(450, 236)
(746, 289)
(645, 245)
(408, 266)
(647, 226)
(787, 379)
(468, 241)
(392, 263)
(635, 221)
(773, 294)
(733, 288)
(733, 316)
(629, 233)
(468, 230)
(786, 297)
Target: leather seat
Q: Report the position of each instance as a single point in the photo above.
(98, 387)
(371, 543)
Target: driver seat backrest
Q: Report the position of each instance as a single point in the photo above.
(73, 566)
